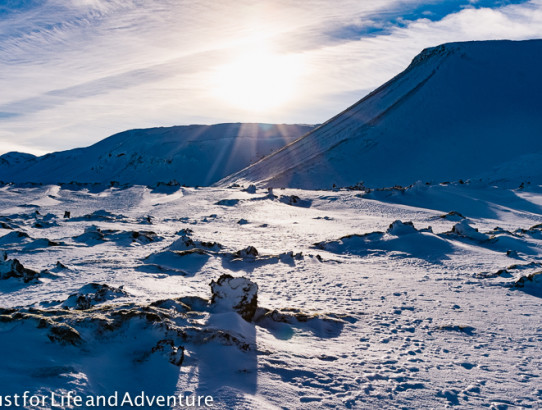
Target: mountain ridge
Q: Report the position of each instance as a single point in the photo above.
(468, 91)
(191, 154)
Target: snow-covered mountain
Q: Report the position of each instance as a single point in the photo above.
(192, 155)
(458, 111)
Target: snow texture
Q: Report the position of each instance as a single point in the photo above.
(361, 299)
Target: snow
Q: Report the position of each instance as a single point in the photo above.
(424, 295)
(238, 294)
(459, 111)
(195, 155)
(359, 302)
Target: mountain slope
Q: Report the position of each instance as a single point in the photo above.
(457, 111)
(192, 155)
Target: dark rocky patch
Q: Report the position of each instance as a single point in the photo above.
(534, 278)
(452, 216)
(294, 200)
(92, 294)
(248, 252)
(228, 202)
(468, 330)
(12, 268)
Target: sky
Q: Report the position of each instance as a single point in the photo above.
(73, 72)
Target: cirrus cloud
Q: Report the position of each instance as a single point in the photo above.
(74, 72)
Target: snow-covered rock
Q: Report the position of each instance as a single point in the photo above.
(294, 200)
(464, 229)
(251, 189)
(92, 294)
(399, 228)
(12, 268)
(239, 294)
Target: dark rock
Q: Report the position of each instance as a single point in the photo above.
(91, 294)
(144, 236)
(452, 215)
(533, 278)
(251, 189)
(512, 254)
(12, 268)
(248, 252)
(175, 354)
(294, 200)
(228, 202)
(64, 334)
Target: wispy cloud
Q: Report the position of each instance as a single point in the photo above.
(75, 71)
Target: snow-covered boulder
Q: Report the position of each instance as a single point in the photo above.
(185, 243)
(533, 279)
(399, 228)
(248, 252)
(465, 230)
(294, 200)
(239, 294)
(251, 189)
(452, 216)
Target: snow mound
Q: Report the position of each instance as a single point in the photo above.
(15, 237)
(464, 230)
(399, 228)
(401, 238)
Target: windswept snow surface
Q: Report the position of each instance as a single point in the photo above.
(191, 155)
(400, 298)
(458, 111)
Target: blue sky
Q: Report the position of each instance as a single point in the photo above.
(75, 71)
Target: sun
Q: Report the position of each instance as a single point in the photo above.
(259, 81)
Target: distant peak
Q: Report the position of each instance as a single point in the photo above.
(15, 157)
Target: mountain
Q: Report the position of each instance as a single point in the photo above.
(13, 159)
(459, 110)
(192, 155)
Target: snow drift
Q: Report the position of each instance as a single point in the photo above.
(458, 111)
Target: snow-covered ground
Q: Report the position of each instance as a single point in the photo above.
(354, 309)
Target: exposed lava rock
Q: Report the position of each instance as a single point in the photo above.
(239, 294)
(12, 268)
(92, 294)
(248, 252)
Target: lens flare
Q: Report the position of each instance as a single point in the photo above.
(258, 82)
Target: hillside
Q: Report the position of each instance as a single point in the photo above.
(192, 155)
(458, 111)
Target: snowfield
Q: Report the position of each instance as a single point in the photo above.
(421, 297)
